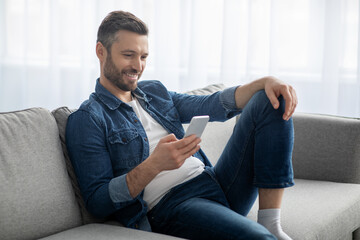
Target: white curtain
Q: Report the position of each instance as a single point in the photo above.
(47, 48)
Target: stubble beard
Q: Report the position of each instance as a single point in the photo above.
(112, 73)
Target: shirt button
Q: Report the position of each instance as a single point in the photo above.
(135, 121)
(145, 139)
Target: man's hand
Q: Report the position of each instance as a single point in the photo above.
(274, 88)
(170, 153)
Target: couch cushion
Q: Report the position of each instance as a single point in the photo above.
(319, 210)
(106, 232)
(61, 115)
(36, 195)
(326, 148)
(207, 90)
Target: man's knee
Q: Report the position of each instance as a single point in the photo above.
(261, 99)
(260, 105)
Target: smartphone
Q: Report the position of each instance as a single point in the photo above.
(197, 125)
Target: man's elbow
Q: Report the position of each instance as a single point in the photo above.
(97, 211)
(99, 207)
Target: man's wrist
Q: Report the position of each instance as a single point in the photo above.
(260, 83)
(149, 165)
(244, 92)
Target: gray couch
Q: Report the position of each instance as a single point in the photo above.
(39, 196)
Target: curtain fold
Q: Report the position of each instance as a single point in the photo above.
(47, 48)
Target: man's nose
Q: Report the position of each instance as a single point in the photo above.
(137, 64)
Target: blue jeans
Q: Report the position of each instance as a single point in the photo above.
(214, 205)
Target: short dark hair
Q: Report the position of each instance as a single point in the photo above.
(116, 21)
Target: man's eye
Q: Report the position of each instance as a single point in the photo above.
(127, 55)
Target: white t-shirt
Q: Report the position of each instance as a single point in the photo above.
(165, 180)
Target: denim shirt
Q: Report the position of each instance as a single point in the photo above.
(106, 140)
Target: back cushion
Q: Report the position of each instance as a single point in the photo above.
(61, 115)
(36, 197)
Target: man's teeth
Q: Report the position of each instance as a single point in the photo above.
(131, 75)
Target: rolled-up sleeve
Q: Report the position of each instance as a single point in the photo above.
(227, 99)
(118, 190)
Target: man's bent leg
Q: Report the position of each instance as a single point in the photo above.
(199, 218)
(258, 154)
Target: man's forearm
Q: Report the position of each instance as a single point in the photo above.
(139, 177)
(244, 92)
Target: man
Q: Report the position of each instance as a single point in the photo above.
(132, 163)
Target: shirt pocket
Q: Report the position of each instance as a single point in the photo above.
(125, 149)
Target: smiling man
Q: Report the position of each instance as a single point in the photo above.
(133, 164)
(122, 61)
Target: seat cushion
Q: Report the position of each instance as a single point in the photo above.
(319, 210)
(36, 197)
(106, 232)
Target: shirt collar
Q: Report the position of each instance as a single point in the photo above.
(113, 102)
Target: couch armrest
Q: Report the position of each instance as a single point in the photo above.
(326, 148)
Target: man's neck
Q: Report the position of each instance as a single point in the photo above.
(124, 96)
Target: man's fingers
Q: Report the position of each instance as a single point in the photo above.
(290, 102)
(192, 151)
(294, 102)
(168, 138)
(184, 148)
(185, 141)
(187, 145)
(191, 146)
(274, 88)
(273, 99)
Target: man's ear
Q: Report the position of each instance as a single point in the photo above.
(100, 51)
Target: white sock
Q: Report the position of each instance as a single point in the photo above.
(270, 218)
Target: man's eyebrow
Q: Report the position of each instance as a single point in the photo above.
(128, 51)
(132, 51)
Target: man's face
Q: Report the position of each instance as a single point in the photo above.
(127, 60)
